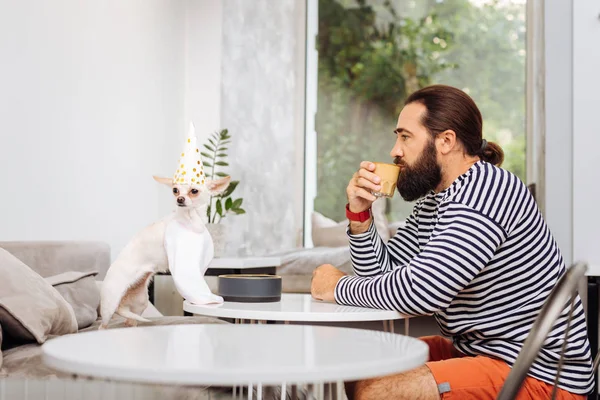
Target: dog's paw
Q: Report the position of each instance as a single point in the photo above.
(218, 299)
(131, 323)
(207, 299)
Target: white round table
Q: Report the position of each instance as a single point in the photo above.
(229, 355)
(297, 308)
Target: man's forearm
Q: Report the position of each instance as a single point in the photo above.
(357, 227)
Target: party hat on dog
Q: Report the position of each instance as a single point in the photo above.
(190, 170)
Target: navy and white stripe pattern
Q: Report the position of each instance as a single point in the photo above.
(480, 258)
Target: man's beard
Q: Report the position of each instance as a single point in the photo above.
(424, 176)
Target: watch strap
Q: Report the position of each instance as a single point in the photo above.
(360, 216)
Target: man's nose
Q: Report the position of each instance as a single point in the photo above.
(396, 152)
(180, 200)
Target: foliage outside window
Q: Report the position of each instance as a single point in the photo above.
(373, 54)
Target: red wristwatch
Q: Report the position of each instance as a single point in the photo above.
(361, 216)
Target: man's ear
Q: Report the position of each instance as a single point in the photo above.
(217, 186)
(446, 141)
(164, 181)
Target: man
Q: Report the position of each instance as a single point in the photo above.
(476, 253)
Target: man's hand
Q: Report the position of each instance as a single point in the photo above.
(360, 186)
(359, 194)
(325, 278)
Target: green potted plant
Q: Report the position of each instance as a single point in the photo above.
(214, 156)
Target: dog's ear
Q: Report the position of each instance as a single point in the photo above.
(164, 181)
(217, 186)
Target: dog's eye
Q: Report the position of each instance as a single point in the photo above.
(175, 191)
(194, 191)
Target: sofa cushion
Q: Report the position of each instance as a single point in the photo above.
(304, 261)
(119, 322)
(328, 233)
(30, 308)
(296, 284)
(79, 289)
(26, 361)
(394, 226)
(380, 219)
(86, 388)
(49, 258)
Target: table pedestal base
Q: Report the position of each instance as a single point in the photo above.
(313, 391)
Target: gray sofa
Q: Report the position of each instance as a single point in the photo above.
(74, 269)
(297, 265)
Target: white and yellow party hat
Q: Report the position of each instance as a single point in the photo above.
(190, 170)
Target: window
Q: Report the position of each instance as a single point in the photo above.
(370, 54)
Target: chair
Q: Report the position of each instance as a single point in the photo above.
(565, 290)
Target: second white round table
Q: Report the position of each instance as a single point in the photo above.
(231, 355)
(297, 308)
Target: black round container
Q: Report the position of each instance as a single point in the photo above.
(250, 288)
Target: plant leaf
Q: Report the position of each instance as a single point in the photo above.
(239, 211)
(221, 174)
(206, 154)
(221, 155)
(211, 142)
(222, 149)
(237, 203)
(208, 213)
(209, 148)
(230, 188)
(219, 208)
(228, 203)
(221, 163)
(208, 165)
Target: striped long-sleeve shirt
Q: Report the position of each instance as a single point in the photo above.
(481, 259)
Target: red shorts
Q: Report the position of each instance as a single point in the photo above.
(463, 377)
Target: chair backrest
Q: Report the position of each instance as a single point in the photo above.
(565, 290)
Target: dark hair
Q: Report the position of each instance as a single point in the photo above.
(449, 108)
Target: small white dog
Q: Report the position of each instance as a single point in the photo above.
(125, 287)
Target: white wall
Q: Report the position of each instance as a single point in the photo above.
(204, 20)
(558, 146)
(91, 96)
(586, 131)
(572, 29)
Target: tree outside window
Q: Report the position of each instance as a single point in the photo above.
(373, 54)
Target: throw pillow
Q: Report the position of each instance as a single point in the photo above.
(328, 233)
(79, 289)
(31, 309)
(380, 219)
(394, 226)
